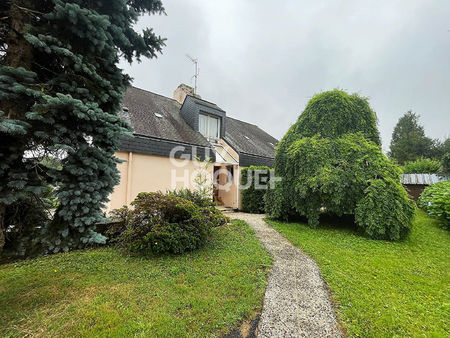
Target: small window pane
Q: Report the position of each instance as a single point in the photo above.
(203, 120)
(213, 127)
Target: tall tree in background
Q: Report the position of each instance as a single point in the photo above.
(440, 149)
(409, 141)
(60, 92)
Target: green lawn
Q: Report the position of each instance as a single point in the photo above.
(102, 292)
(383, 289)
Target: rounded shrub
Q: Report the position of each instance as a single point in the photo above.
(328, 161)
(435, 200)
(163, 223)
(254, 179)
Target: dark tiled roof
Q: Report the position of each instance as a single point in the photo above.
(142, 106)
(206, 103)
(249, 139)
(153, 146)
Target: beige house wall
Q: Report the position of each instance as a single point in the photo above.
(150, 173)
(119, 196)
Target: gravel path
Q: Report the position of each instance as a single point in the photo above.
(296, 302)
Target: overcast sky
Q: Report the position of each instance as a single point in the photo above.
(261, 61)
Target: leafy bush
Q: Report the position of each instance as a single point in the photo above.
(385, 210)
(194, 196)
(435, 200)
(421, 166)
(214, 216)
(160, 223)
(327, 162)
(117, 223)
(253, 198)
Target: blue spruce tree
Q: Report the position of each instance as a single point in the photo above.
(60, 92)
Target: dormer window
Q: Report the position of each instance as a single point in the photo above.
(209, 126)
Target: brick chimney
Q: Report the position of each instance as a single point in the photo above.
(180, 93)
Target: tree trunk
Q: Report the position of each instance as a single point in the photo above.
(2, 230)
(18, 54)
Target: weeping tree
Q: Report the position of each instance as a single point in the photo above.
(60, 93)
(331, 161)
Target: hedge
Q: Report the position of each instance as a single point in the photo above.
(253, 198)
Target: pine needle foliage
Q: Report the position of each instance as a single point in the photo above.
(60, 94)
(409, 141)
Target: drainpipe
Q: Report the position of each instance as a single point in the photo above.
(129, 177)
(238, 176)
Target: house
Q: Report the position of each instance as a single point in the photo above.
(178, 141)
(416, 183)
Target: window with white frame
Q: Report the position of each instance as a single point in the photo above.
(209, 126)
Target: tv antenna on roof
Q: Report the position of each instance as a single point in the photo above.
(195, 62)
